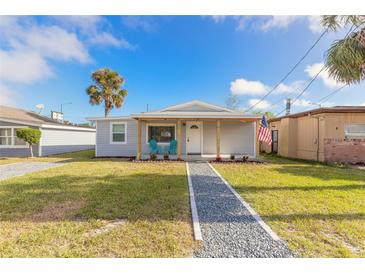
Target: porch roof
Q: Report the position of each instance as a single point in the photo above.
(195, 115)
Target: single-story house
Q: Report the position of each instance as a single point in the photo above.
(199, 128)
(56, 137)
(331, 134)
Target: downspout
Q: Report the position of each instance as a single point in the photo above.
(318, 139)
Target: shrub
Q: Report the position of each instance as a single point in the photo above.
(244, 158)
(31, 136)
(232, 157)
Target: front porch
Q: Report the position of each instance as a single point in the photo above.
(202, 139)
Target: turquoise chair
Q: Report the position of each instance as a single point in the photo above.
(153, 147)
(173, 146)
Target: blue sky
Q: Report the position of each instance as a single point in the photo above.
(165, 60)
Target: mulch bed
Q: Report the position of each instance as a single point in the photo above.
(238, 161)
(157, 160)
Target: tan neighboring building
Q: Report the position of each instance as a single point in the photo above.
(335, 134)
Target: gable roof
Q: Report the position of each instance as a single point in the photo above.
(195, 109)
(21, 116)
(188, 106)
(336, 109)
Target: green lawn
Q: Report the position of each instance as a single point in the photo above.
(55, 213)
(319, 210)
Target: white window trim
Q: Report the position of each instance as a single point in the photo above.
(157, 125)
(353, 135)
(125, 133)
(12, 139)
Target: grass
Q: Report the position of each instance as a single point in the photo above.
(54, 213)
(318, 210)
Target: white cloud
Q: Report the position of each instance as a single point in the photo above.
(328, 81)
(262, 105)
(6, 96)
(301, 103)
(27, 47)
(278, 21)
(266, 23)
(95, 30)
(23, 67)
(314, 23)
(86, 24)
(218, 18)
(245, 87)
(52, 42)
(143, 23)
(289, 88)
(107, 39)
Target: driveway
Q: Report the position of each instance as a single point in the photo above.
(229, 227)
(17, 169)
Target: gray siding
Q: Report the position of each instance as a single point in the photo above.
(56, 141)
(236, 138)
(103, 146)
(106, 149)
(16, 151)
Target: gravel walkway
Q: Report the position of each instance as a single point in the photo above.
(17, 169)
(228, 228)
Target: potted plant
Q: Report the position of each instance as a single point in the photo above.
(232, 157)
(153, 157)
(244, 158)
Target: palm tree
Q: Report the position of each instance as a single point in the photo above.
(108, 88)
(345, 60)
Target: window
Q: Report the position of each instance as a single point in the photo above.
(118, 133)
(8, 138)
(355, 131)
(161, 133)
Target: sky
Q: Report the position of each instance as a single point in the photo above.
(165, 60)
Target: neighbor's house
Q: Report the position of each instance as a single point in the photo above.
(200, 129)
(334, 134)
(56, 137)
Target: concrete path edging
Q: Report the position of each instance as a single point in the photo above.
(254, 214)
(194, 211)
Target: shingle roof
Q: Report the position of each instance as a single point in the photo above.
(18, 115)
(25, 116)
(336, 109)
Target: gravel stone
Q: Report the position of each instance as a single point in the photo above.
(228, 228)
(17, 169)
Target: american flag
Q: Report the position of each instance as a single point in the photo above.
(264, 132)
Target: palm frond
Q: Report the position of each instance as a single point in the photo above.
(335, 22)
(107, 88)
(346, 59)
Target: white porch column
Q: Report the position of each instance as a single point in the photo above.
(218, 140)
(179, 139)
